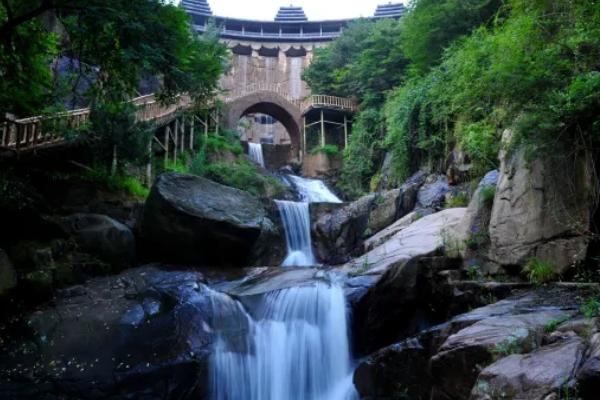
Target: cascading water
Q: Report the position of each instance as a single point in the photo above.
(296, 219)
(296, 223)
(313, 190)
(256, 154)
(296, 349)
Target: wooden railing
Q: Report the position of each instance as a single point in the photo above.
(322, 101)
(35, 132)
(306, 104)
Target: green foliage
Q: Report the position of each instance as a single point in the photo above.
(508, 346)
(539, 272)
(477, 240)
(116, 43)
(15, 194)
(474, 272)
(328, 149)
(460, 199)
(119, 181)
(432, 25)
(488, 193)
(590, 308)
(239, 173)
(552, 325)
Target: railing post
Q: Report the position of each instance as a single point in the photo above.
(322, 129)
(345, 131)
(192, 133)
(167, 129)
(149, 163)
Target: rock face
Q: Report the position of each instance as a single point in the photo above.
(145, 334)
(500, 346)
(475, 226)
(531, 376)
(460, 357)
(395, 266)
(103, 237)
(385, 211)
(192, 219)
(433, 192)
(8, 276)
(337, 234)
(589, 374)
(540, 210)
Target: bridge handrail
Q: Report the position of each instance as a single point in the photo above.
(262, 87)
(29, 133)
(325, 101)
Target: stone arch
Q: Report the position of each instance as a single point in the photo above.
(269, 103)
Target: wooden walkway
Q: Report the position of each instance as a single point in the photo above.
(35, 133)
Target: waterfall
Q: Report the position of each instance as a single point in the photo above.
(296, 349)
(256, 154)
(313, 190)
(296, 223)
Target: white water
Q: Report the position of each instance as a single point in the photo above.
(296, 223)
(313, 190)
(256, 154)
(296, 348)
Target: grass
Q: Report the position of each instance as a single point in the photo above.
(474, 272)
(488, 193)
(459, 199)
(119, 181)
(328, 149)
(552, 325)
(590, 308)
(540, 272)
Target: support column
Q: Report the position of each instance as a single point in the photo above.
(149, 163)
(182, 148)
(192, 133)
(322, 129)
(167, 129)
(175, 141)
(218, 121)
(345, 131)
(303, 149)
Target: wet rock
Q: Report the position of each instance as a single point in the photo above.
(382, 236)
(532, 376)
(144, 334)
(338, 234)
(192, 219)
(395, 372)
(102, 237)
(8, 276)
(540, 209)
(588, 377)
(385, 211)
(433, 192)
(463, 354)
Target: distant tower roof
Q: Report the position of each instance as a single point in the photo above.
(291, 14)
(390, 10)
(197, 7)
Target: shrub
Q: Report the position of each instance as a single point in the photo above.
(488, 193)
(119, 181)
(590, 308)
(329, 149)
(540, 272)
(553, 324)
(473, 272)
(459, 199)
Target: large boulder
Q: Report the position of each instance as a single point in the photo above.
(463, 354)
(532, 376)
(541, 210)
(385, 281)
(336, 235)
(8, 276)
(189, 219)
(385, 211)
(432, 194)
(103, 237)
(588, 376)
(145, 334)
(475, 226)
